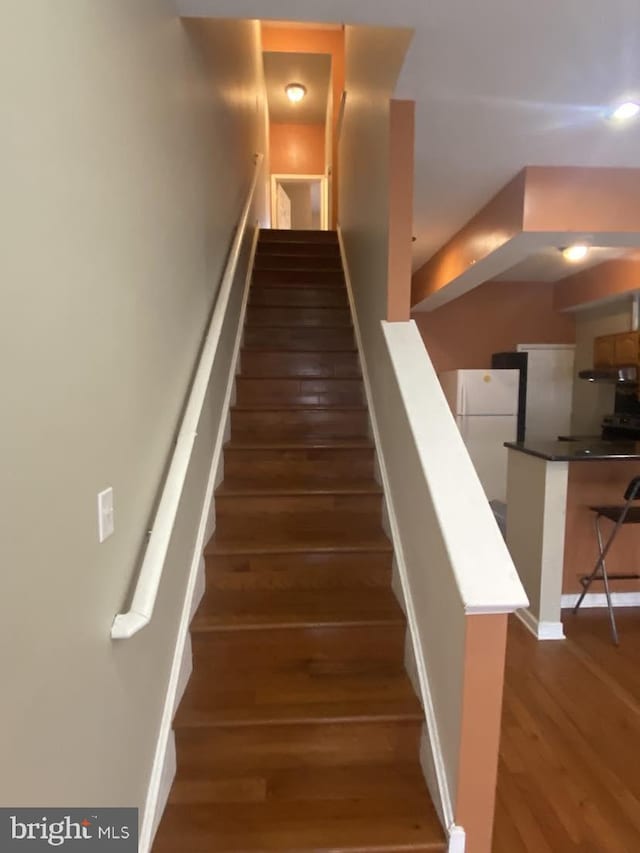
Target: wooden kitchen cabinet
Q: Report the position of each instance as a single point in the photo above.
(625, 348)
(616, 350)
(603, 351)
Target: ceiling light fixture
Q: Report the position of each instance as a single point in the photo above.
(295, 92)
(575, 253)
(626, 111)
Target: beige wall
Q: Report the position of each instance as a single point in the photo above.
(592, 400)
(494, 317)
(130, 158)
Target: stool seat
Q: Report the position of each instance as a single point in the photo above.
(614, 513)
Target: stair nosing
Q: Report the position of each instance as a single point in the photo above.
(303, 351)
(303, 377)
(406, 716)
(270, 492)
(370, 548)
(298, 408)
(311, 445)
(226, 628)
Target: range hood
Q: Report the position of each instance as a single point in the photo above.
(615, 375)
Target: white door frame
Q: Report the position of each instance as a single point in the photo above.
(324, 195)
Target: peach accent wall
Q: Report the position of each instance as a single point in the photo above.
(296, 149)
(312, 40)
(590, 484)
(494, 317)
(401, 163)
(565, 198)
(611, 278)
(485, 650)
(497, 223)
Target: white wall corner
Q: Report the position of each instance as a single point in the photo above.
(540, 630)
(457, 840)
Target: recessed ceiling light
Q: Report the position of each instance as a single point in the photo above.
(575, 253)
(295, 92)
(626, 111)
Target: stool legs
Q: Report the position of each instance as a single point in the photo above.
(600, 565)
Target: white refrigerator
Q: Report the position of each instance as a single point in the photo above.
(485, 406)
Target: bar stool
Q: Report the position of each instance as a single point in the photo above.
(625, 514)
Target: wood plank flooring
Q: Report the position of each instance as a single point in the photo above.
(569, 774)
(299, 730)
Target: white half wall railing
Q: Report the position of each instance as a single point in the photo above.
(451, 557)
(127, 624)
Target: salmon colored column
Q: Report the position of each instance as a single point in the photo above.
(401, 155)
(485, 648)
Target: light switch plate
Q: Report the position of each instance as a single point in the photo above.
(105, 514)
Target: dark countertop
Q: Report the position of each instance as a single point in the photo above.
(594, 450)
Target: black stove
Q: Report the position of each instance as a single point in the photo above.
(621, 425)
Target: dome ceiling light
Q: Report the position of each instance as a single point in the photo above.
(295, 92)
(576, 253)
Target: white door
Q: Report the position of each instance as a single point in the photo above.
(549, 391)
(488, 392)
(283, 208)
(484, 438)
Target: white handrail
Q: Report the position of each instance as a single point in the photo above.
(125, 625)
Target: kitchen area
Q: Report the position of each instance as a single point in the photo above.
(554, 430)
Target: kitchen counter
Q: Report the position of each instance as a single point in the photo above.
(550, 532)
(576, 450)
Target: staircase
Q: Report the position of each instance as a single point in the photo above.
(299, 730)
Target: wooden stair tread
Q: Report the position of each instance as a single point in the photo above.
(298, 674)
(359, 826)
(307, 486)
(399, 779)
(284, 546)
(238, 749)
(246, 608)
(309, 570)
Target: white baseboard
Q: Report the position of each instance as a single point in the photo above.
(163, 769)
(436, 779)
(186, 668)
(540, 630)
(599, 599)
(199, 588)
(457, 840)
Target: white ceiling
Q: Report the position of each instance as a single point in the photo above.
(313, 70)
(548, 264)
(498, 85)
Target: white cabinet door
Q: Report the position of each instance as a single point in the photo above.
(550, 372)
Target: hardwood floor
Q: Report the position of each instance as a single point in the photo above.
(299, 730)
(569, 775)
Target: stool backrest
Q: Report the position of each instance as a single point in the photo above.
(633, 490)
